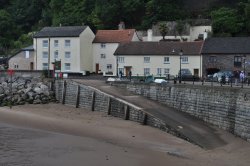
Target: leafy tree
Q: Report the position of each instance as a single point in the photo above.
(163, 30)
(247, 16)
(168, 10)
(6, 29)
(180, 27)
(225, 22)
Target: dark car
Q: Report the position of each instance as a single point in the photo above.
(186, 75)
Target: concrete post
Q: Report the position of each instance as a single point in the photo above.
(64, 92)
(126, 112)
(93, 101)
(109, 106)
(77, 96)
(144, 119)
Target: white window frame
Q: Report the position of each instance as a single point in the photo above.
(45, 55)
(159, 71)
(67, 54)
(121, 69)
(27, 54)
(184, 59)
(56, 43)
(45, 66)
(67, 43)
(56, 54)
(166, 71)
(146, 71)
(109, 66)
(103, 45)
(103, 56)
(121, 59)
(67, 66)
(146, 59)
(45, 43)
(166, 60)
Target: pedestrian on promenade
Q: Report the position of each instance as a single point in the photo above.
(236, 77)
(130, 75)
(242, 76)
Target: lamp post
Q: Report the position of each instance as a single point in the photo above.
(180, 53)
(117, 66)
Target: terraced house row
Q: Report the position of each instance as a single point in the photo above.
(108, 52)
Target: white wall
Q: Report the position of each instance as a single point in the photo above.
(86, 58)
(110, 58)
(80, 49)
(196, 30)
(138, 65)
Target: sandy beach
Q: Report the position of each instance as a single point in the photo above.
(56, 134)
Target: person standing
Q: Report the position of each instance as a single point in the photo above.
(242, 76)
(236, 77)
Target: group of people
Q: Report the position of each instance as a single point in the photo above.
(239, 76)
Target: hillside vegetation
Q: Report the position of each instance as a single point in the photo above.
(19, 19)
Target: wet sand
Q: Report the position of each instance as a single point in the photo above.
(59, 135)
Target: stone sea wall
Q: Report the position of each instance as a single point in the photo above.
(81, 96)
(225, 107)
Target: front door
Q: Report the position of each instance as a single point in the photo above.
(31, 66)
(127, 69)
(196, 72)
(97, 68)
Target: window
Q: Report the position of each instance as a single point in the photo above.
(56, 43)
(103, 45)
(45, 55)
(67, 66)
(16, 66)
(158, 71)
(67, 55)
(237, 61)
(121, 70)
(146, 59)
(120, 59)
(67, 43)
(146, 71)
(56, 54)
(109, 66)
(103, 56)
(45, 43)
(212, 59)
(184, 59)
(166, 60)
(45, 66)
(166, 71)
(27, 54)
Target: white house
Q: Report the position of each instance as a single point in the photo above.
(70, 44)
(104, 46)
(197, 30)
(159, 58)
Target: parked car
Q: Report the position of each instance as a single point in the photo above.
(223, 76)
(186, 75)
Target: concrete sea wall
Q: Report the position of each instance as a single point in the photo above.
(226, 107)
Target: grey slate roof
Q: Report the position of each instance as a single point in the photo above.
(29, 48)
(66, 31)
(159, 48)
(226, 45)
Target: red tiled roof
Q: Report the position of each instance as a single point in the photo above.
(114, 36)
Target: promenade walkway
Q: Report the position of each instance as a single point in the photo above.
(195, 130)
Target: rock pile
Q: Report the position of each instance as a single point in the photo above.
(19, 91)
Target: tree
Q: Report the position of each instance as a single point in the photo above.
(163, 30)
(180, 27)
(225, 22)
(6, 28)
